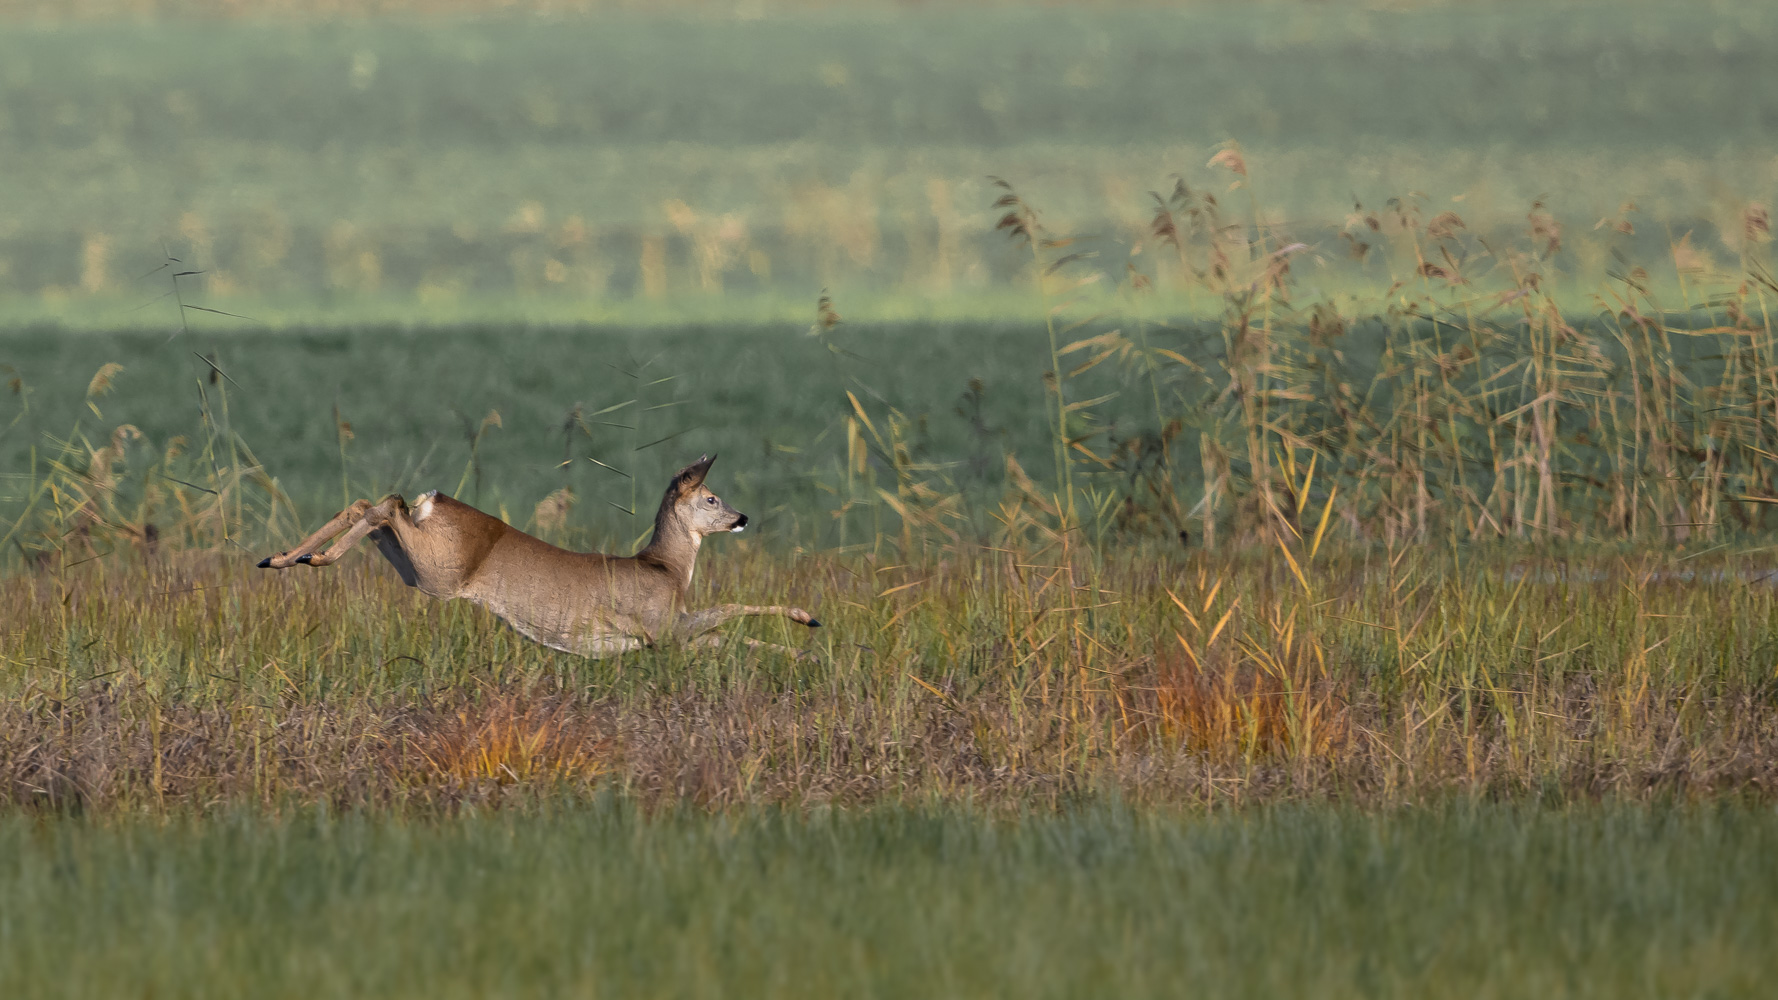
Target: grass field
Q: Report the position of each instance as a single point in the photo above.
(1345, 571)
(1458, 901)
(1012, 676)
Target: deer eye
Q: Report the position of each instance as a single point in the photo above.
(709, 499)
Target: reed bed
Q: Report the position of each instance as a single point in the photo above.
(1465, 402)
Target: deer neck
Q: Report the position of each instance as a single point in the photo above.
(674, 548)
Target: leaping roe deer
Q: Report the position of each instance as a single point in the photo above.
(578, 602)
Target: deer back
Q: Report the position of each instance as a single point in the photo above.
(574, 601)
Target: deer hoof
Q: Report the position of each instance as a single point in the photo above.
(306, 559)
(266, 563)
(812, 623)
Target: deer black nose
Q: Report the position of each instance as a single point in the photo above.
(742, 523)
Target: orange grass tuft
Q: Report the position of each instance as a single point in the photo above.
(508, 738)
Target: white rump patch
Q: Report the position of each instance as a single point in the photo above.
(423, 509)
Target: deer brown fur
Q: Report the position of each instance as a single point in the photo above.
(579, 602)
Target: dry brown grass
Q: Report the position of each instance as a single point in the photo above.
(124, 690)
(506, 738)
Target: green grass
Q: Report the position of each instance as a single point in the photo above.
(769, 400)
(1466, 900)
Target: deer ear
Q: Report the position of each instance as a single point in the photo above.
(691, 477)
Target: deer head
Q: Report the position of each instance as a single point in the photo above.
(689, 506)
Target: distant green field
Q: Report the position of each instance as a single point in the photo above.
(324, 168)
(770, 401)
(1455, 901)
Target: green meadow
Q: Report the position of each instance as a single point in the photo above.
(600, 900)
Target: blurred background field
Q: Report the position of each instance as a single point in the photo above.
(427, 163)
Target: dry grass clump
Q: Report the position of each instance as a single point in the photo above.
(506, 738)
(1249, 708)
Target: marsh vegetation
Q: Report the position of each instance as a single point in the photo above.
(1225, 578)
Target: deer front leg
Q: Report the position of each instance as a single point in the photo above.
(694, 624)
(363, 518)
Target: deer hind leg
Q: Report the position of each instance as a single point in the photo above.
(716, 641)
(695, 625)
(336, 524)
(358, 520)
